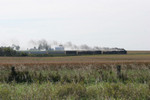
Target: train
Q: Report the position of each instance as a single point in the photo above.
(94, 52)
(78, 52)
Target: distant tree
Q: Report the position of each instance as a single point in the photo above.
(18, 47)
(23, 54)
(1, 52)
(7, 51)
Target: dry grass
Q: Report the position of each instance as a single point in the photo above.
(138, 52)
(77, 59)
(38, 63)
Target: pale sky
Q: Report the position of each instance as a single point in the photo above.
(105, 23)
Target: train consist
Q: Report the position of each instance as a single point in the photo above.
(78, 52)
(82, 52)
(94, 52)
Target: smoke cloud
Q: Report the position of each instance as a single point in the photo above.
(45, 45)
(16, 47)
(41, 44)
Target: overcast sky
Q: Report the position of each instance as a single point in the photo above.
(105, 23)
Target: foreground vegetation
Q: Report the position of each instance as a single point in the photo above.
(74, 78)
(86, 82)
(72, 91)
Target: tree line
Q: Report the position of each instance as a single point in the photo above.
(11, 52)
(8, 51)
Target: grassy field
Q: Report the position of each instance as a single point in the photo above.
(138, 52)
(76, 77)
(131, 57)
